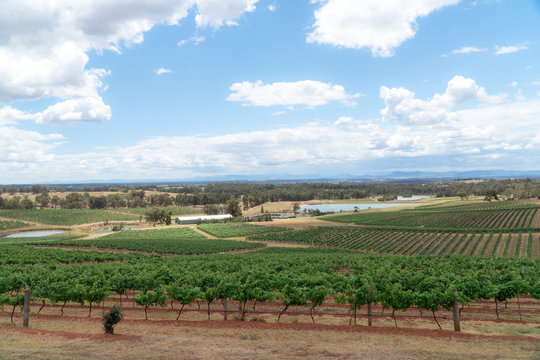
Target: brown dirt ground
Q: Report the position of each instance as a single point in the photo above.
(72, 338)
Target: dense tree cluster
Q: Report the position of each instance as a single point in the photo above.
(253, 194)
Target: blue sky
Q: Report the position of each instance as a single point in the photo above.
(166, 89)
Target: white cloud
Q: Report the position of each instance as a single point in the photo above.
(513, 84)
(44, 44)
(75, 110)
(380, 25)
(216, 13)
(271, 7)
(520, 96)
(196, 40)
(9, 115)
(24, 150)
(402, 105)
(162, 71)
(307, 92)
(501, 50)
(536, 82)
(468, 50)
(84, 109)
(480, 137)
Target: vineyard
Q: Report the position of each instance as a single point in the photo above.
(419, 242)
(526, 218)
(400, 276)
(41, 239)
(6, 225)
(238, 229)
(284, 279)
(180, 241)
(66, 216)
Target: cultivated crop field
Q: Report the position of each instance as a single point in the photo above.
(408, 277)
(9, 224)
(523, 218)
(34, 240)
(274, 291)
(180, 241)
(415, 242)
(238, 229)
(66, 216)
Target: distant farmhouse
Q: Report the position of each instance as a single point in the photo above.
(185, 220)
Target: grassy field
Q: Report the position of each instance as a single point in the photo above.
(66, 216)
(238, 229)
(180, 241)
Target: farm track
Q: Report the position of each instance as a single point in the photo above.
(237, 324)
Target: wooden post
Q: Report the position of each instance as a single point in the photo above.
(26, 308)
(457, 325)
(225, 309)
(369, 306)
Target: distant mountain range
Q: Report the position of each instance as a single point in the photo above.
(395, 176)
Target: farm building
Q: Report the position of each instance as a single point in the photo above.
(184, 220)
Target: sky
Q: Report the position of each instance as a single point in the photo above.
(163, 89)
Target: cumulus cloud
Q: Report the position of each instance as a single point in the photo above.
(307, 92)
(44, 44)
(217, 13)
(478, 137)
(75, 110)
(402, 105)
(85, 109)
(22, 149)
(380, 25)
(162, 71)
(9, 115)
(468, 50)
(501, 50)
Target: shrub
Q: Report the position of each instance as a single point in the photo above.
(111, 318)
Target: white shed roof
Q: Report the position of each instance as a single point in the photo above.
(204, 217)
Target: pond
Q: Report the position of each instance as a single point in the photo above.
(36, 233)
(347, 207)
(110, 228)
(414, 197)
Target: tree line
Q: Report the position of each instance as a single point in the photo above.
(250, 194)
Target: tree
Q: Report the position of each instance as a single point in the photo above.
(97, 202)
(43, 200)
(26, 203)
(233, 207)
(462, 194)
(157, 215)
(296, 207)
(211, 209)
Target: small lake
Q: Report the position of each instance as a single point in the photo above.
(414, 197)
(110, 228)
(36, 233)
(347, 207)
